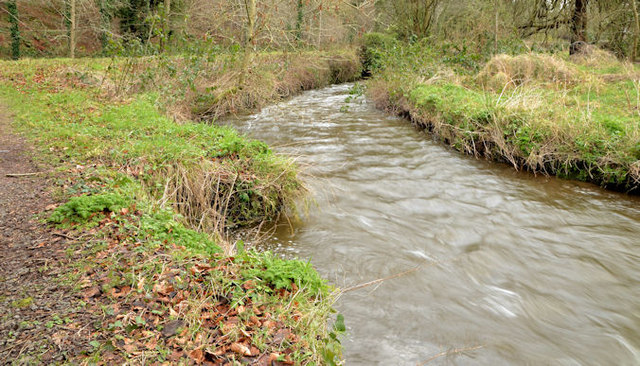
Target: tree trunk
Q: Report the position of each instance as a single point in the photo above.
(72, 29)
(105, 24)
(636, 34)
(252, 14)
(495, 40)
(299, 21)
(166, 26)
(12, 9)
(319, 27)
(579, 27)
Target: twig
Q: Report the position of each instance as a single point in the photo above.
(65, 236)
(14, 345)
(451, 352)
(379, 280)
(18, 175)
(367, 284)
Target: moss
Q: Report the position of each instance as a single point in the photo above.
(22, 303)
(79, 209)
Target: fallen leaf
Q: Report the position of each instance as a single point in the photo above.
(197, 355)
(253, 320)
(130, 348)
(281, 335)
(241, 349)
(163, 288)
(171, 328)
(176, 355)
(273, 358)
(92, 292)
(151, 345)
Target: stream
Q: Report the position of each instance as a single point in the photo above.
(514, 269)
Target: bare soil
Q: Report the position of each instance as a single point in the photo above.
(41, 321)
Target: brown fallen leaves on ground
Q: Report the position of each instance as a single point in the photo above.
(173, 311)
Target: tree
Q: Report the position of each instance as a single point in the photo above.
(250, 28)
(105, 11)
(12, 9)
(636, 33)
(166, 25)
(578, 26)
(72, 28)
(133, 18)
(299, 20)
(412, 18)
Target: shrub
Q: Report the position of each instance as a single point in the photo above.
(374, 48)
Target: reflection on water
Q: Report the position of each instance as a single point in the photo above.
(536, 270)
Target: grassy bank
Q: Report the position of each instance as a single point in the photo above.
(574, 117)
(207, 86)
(152, 205)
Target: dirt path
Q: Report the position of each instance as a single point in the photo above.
(40, 321)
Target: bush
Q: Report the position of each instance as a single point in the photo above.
(374, 48)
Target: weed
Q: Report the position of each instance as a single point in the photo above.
(22, 303)
(284, 274)
(79, 209)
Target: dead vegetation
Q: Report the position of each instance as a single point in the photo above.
(218, 198)
(505, 71)
(209, 87)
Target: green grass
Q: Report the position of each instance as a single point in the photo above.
(575, 118)
(83, 127)
(148, 193)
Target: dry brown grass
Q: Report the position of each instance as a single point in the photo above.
(595, 57)
(211, 89)
(270, 77)
(504, 71)
(220, 199)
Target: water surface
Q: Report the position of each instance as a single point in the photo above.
(535, 270)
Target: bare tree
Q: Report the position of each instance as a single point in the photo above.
(578, 26)
(12, 10)
(252, 14)
(636, 35)
(72, 28)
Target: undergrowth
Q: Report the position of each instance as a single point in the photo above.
(168, 293)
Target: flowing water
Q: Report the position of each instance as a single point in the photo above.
(516, 269)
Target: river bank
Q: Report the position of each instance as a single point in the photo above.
(574, 117)
(500, 267)
(150, 206)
